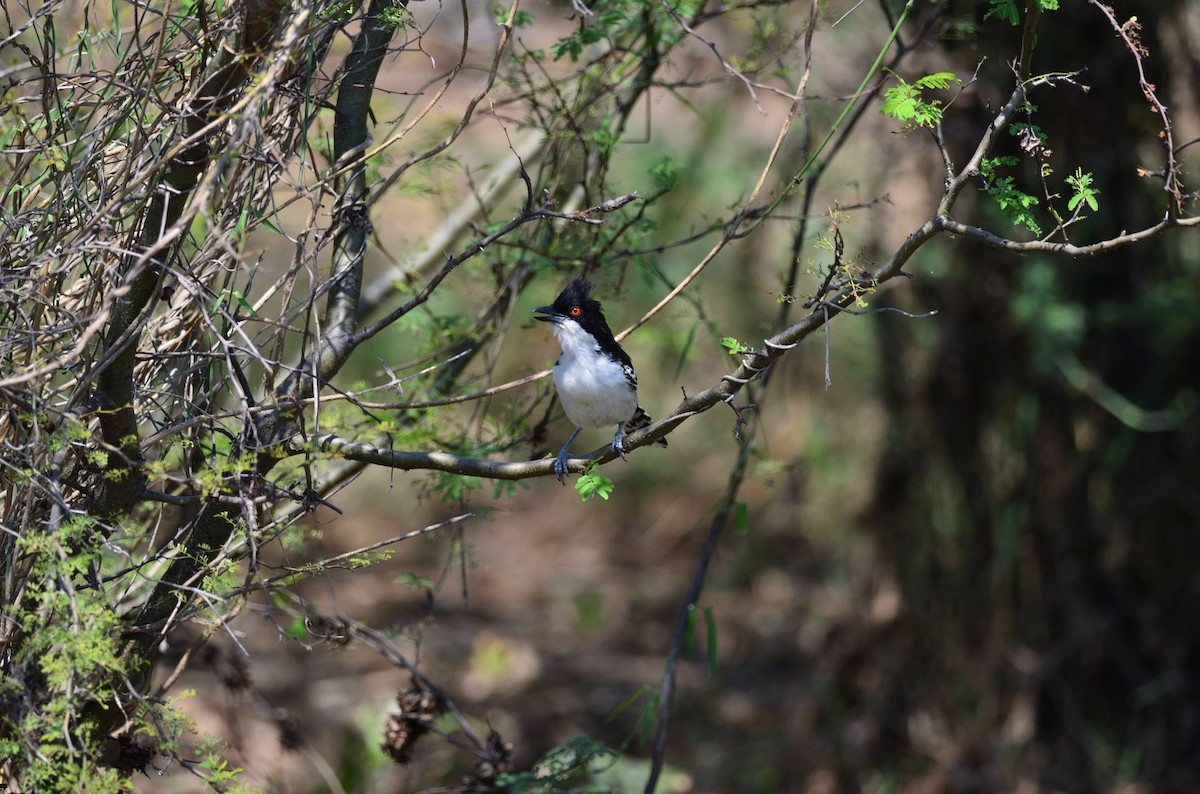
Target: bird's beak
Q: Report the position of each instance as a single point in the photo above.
(551, 316)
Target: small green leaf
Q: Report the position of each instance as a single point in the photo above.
(938, 80)
(589, 485)
(740, 523)
(398, 17)
(689, 630)
(666, 173)
(905, 102)
(734, 347)
(647, 716)
(1084, 193)
(297, 628)
(1016, 205)
(900, 103)
(1005, 9)
(229, 297)
(629, 700)
(413, 581)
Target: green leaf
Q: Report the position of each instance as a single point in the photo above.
(734, 347)
(988, 166)
(629, 700)
(646, 721)
(740, 523)
(398, 17)
(229, 297)
(1081, 184)
(900, 103)
(938, 80)
(520, 18)
(453, 487)
(589, 485)
(559, 767)
(297, 628)
(689, 631)
(905, 102)
(1016, 205)
(1005, 9)
(413, 581)
(666, 173)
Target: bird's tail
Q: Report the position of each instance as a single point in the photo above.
(642, 419)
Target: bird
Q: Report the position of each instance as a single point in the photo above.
(594, 376)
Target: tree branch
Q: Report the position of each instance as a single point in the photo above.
(350, 136)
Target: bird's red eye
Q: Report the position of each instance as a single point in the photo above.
(576, 311)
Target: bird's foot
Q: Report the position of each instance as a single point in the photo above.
(560, 466)
(618, 443)
(560, 462)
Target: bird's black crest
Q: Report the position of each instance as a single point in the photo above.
(577, 293)
(575, 302)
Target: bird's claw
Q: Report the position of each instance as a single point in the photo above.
(618, 442)
(560, 467)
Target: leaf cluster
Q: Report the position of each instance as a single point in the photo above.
(908, 104)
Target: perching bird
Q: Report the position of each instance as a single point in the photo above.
(594, 377)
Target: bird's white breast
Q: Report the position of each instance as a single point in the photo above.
(594, 388)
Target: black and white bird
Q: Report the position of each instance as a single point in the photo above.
(594, 377)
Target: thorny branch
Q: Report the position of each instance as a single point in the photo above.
(1129, 34)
